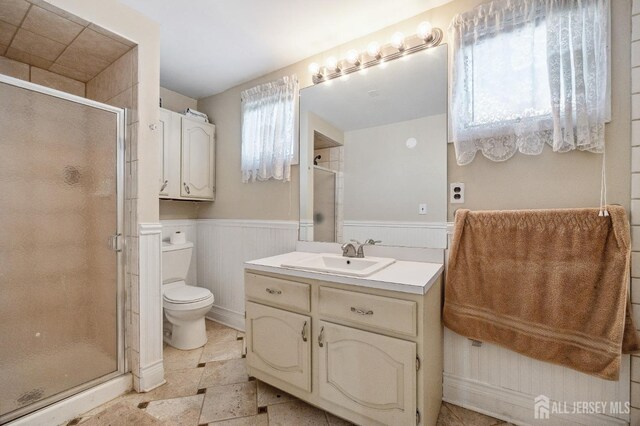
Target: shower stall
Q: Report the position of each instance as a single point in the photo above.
(324, 204)
(61, 258)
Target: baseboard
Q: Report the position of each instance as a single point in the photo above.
(227, 317)
(511, 406)
(70, 408)
(151, 377)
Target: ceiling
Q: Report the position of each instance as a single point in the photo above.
(40, 34)
(208, 46)
(401, 90)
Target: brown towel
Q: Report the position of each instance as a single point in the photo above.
(549, 284)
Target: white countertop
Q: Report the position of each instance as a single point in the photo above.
(402, 276)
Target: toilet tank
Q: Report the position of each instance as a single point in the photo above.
(176, 259)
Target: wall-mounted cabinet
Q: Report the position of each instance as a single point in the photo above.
(187, 158)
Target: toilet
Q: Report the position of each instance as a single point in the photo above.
(184, 306)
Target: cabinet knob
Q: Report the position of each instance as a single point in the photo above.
(164, 185)
(186, 187)
(321, 337)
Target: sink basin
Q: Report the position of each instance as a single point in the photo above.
(337, 264)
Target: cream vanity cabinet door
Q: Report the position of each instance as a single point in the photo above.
(198, 159)
(367, 373)
(279, 344)
(169, 129)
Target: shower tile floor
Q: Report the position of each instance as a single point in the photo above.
(210, 386)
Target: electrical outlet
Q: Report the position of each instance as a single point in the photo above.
(456, 193)
(422, 208)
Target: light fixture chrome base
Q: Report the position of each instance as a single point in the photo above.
(418, 44)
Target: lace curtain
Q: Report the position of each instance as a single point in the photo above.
(529, 72)
(268, 124)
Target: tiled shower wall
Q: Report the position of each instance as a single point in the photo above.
(42, 77)
(117, 85)
(635, 201)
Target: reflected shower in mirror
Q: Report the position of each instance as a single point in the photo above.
(373, 154)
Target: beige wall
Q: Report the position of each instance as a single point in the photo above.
(42, 77)
(175, 101)
(548, 180)
(386, 181)
(128, 23)
(270, 200)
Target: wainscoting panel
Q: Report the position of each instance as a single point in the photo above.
(502, 383)
(222, 248)
(404, 234)
(151, 373)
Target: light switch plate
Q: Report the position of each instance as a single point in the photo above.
(456, 193)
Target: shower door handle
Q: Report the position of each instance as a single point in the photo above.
(113, 242)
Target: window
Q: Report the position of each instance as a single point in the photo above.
(529, 72)
(268, 130)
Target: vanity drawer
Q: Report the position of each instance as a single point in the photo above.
(384, 313)
(276, 291)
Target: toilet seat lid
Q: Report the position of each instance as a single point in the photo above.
(187, 294)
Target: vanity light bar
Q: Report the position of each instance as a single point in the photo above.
(426, 37)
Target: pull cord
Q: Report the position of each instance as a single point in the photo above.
(603, 186)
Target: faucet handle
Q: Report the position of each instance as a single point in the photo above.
(372, 242)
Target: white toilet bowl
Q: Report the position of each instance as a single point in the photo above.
(184, 308)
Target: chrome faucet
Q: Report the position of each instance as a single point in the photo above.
(348, 250)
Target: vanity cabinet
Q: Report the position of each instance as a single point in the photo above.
(371, 356)
(187, 158)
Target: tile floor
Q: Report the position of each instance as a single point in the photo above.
(210, 386)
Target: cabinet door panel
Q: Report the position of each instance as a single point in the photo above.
(278, 344)
(198, 159)
(169, 182)
(165, 124)
(367, 373)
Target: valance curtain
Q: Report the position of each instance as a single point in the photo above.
(268, 124)
(529, 72)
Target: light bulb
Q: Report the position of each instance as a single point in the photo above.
(353, 57)
(331, 63)
(424, 30)
(314, 68)
(397, 41)
(374, 50)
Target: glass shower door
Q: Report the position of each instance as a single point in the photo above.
(324, 205)
(61, 184)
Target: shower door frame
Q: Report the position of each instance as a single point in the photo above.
(121, 125)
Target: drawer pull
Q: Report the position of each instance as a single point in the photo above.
(321, 337)
(272, 291)
(361, 311)
(304, 332)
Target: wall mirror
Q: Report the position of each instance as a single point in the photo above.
(373, 154)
